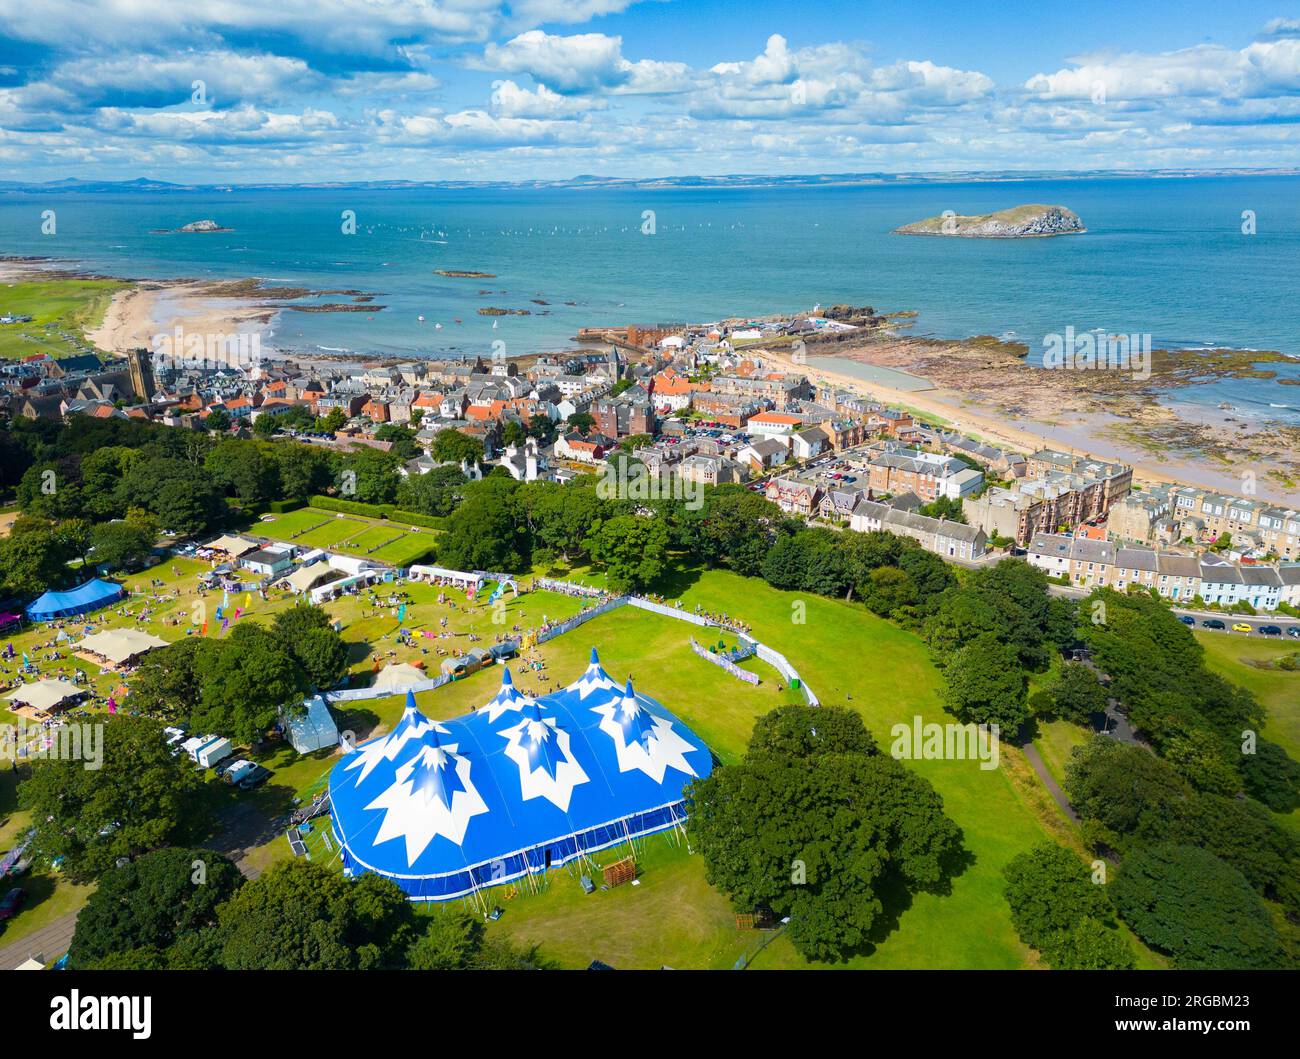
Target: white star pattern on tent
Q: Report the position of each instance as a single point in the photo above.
(430, 795)
(413, 725)
(593, 679)
(641, 739)
(508, 699)
(540, 749)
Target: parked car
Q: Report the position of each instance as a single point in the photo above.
(238, 770)
(1240, 626)
(1212, 623)
(1187, 619)
(1270, 630)
(1293, 631)
(10, 903)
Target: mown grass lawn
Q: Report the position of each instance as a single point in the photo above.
(61, 311)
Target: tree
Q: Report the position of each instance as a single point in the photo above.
(372, 477)
(147, 904)
(960, 616)
(1077, 694)
(403, 440)
(1126, 789)
(218, 421)
(166, 686)
(32, 558)
(301, 916)
(140, 799)
(180, 493)
(513, 433)
(307, 634)
(1051, 897)
(819, 826)
(1089, 946)
(1272, 776)
(632, 549)
(451, 446)
(120, 545)
(542, 428)
(433, 493)
(986, 685)
(483, 534)
(1190, 904)
(582, 422)
(241, 469)
(945, 507)
(244, 681)
(304, 470)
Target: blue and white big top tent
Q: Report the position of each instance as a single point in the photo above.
(444, 808)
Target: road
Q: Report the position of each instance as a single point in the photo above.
(1281, 621)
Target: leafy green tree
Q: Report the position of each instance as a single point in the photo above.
(1187, 902)
(218, 421)
(451, 446)
(244, 682)
(242, 470)
(307, 634)
(631, 549)
(1049, 890)
(434, 493)
(542, 428)
(1272, 776)
(582, 422)
(33, 558)
(120, 545)
(1126, 789)
(819, 828)
(301, 916)
(147, 904)
(1077, 694)
(101, 471)
(403, 440)
(513, 433)
(304, 471)
(484, 534)
(140, 799)
(1089, 945)
(373, 475)
(986, 685)
(959, 617)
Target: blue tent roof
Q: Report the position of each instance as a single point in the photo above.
(444, 807)
(84, 598)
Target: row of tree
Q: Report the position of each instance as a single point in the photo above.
(190, 909)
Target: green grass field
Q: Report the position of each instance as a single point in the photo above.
(61, 311)
(394, 543)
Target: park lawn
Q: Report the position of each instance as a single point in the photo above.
(848, 656)
(1055, 741)
(1277, 690)
(415, 546)
(61, 311)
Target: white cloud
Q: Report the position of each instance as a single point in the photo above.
(512, 101)
(581, 62)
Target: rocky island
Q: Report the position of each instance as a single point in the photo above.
(193, 227)
(1019, 222)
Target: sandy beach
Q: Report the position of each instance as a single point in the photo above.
(135, 316)
(1096, 434)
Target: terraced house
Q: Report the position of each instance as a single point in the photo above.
(1175, 576)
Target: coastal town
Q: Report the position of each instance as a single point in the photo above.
(704, 405)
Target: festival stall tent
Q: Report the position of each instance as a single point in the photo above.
(445, 808)
(120, 646)
(46, 695)
(86, 597)
(311, 727)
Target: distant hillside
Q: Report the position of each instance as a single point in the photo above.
(1019, 222)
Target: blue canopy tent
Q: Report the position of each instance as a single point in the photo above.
(444, 808)
(80, 600)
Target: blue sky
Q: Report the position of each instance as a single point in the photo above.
(446, 89)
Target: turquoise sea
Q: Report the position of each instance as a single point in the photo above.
(1165, 256)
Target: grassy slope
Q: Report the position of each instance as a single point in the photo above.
(55, 306)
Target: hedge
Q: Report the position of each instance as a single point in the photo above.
(380, 511)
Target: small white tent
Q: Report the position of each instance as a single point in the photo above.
(312, 727)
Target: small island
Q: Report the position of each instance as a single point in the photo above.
(193, 227)
(1019, 222)
(463, 273)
